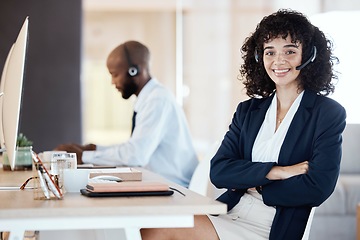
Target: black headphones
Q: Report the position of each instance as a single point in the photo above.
(311, 58)
(133, 68)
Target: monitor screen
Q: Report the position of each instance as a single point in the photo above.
(11, 90)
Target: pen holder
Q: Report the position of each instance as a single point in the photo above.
(49, 184)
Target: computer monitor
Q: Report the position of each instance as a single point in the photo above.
(11, 88)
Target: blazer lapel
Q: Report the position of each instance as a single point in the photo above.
(296, 127)
(255, 121)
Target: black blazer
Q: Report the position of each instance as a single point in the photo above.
(314, 135)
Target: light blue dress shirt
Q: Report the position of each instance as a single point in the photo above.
(161, 140)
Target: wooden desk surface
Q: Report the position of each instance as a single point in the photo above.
(20, 204)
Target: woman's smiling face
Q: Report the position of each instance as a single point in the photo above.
(281, 57)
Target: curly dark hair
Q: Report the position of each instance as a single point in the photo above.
(316, 76)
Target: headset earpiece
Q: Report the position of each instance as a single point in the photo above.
(133, 69)
(256, 55)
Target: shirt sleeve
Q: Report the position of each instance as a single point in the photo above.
(151, 125)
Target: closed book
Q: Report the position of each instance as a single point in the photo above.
(131, 186)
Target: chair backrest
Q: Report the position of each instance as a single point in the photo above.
(200, 181)
(308, 224)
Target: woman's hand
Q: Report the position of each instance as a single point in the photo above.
(285, 172)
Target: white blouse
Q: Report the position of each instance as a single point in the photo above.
(268, 142)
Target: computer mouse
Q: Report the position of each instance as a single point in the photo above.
(107, 178)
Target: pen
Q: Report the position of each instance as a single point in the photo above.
(53, 187)
(43, 184)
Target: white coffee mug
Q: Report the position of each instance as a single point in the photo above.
(75, 179)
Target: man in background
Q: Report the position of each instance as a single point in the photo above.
(160, 139)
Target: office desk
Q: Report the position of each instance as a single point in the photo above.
(19, 212)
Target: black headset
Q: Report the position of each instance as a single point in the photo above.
(311, 58)
(133, 68)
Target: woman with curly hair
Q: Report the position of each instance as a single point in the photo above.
(281, 155)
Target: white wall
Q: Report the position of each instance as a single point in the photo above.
(340, 27)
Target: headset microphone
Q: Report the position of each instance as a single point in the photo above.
(133, 68)
(311, 59)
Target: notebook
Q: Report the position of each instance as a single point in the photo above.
(127, 186)
(88, 193)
